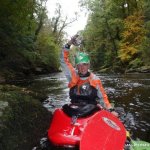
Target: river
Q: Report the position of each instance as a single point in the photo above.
(130, 91)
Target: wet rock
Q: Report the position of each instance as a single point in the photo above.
(143, 69)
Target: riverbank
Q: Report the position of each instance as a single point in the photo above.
(117, 69)
(8, 75)
(23, 118)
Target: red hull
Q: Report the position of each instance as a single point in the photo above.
(64, 132)
(110, 133)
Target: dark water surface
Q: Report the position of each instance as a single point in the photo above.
(131, 91)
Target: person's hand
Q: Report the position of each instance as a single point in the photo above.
(75, 40)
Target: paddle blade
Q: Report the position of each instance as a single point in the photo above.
(139, 145)
(103, 132)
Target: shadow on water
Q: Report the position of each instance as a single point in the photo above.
(129, 91)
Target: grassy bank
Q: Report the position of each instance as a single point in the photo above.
(23, 118)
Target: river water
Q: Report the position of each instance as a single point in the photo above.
(130, 91)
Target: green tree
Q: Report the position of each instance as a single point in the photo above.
(21, 28)
(117, 32)
(17, 23)
(103, 30)
(47, 49)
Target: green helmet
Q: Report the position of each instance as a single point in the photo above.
(82, 57)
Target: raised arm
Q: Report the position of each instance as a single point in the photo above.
(67, 67)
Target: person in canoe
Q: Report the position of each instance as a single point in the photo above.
(85, 86)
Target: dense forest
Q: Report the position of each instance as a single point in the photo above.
(117, 36)
(29, 40)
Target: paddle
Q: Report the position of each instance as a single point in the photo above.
(103, 132)
(138, 144)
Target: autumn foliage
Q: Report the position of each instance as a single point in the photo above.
(132, 37)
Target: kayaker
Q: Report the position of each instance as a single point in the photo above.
(85, 87)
